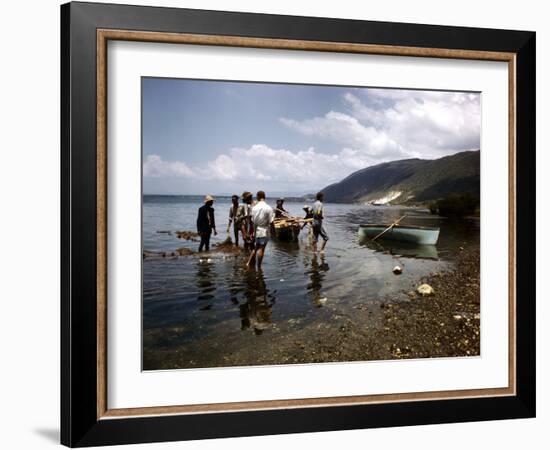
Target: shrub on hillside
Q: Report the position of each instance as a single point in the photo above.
(456, 205)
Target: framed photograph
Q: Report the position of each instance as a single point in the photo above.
(277, 224)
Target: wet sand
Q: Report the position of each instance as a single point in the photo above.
(406, 325)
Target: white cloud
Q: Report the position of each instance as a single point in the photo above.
(389, 123)
(346, 130)
(307, 169)
(377, 125)
(155, 167)
(426, 124)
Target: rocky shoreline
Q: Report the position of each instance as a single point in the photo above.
(445, 324)
(405, 326)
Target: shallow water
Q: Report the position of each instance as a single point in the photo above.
(217, 296)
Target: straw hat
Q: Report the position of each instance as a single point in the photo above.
(208, 198)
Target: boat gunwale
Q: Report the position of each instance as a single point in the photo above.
(409, 227)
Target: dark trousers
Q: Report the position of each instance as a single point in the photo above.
(205, 241)
(319, 230)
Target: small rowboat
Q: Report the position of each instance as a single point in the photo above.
(416, 235)
(287, 227)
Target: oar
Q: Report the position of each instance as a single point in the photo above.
(284, 213)
(390, 227)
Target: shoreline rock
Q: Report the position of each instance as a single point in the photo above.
(425, 290)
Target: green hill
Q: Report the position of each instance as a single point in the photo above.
(409, 180)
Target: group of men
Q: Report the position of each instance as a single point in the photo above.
(255, 222)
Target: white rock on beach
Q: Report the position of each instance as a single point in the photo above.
(425, 289)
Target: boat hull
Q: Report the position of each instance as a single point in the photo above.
(401, 248)
(416, 235)
(287, 233)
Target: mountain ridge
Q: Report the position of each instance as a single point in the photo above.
(412, 180)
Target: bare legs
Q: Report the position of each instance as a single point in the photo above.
(259, 253)
(322, 246)
(252, 258)
(319, 231)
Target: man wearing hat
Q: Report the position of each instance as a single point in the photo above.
(233, 218)
(307, 222)
(206, 223)
(280, 210)
(244, 217)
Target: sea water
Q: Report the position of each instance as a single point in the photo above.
(218, 296)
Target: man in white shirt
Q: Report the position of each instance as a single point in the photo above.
(262, 219)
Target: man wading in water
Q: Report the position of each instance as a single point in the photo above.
(262, 218)
(206, 223)
(244, 221)
(318, 228)
(307, 210)
(233, 211)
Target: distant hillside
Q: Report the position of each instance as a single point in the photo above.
(409, 180)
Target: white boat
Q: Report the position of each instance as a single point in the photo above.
(417, 235)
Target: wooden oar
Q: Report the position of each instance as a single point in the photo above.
(284, 213)
(390, 227)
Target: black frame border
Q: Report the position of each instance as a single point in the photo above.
(79, 424)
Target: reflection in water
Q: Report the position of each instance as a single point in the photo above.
(206, 282)
(256, 311)
(317, 273)
(234, 284)
(400, 248)
(186, 300)
(290, 250)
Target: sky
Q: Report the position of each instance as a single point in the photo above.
(219, 137)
